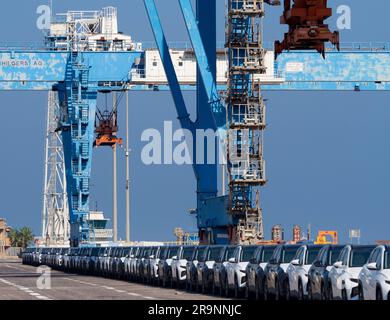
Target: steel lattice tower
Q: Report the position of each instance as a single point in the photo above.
(246, 118)
(55, 215)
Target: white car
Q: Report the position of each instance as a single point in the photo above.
(297, 271)
(179, 264)
(343, 277)
(154, 260)
(205, 268)
(374, 279)
(135, 255)
(236, 270)
(127, 263)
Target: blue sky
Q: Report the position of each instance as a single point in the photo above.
(327, 152)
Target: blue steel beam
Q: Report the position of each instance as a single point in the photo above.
(174, 85)
(208, 101)
(25, 70)
(205, 73)
(302, 71)
(210, 113)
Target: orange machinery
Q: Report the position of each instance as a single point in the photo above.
(327, 237)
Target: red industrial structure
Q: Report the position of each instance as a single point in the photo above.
(307, 30)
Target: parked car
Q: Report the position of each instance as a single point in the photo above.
(297, 271)
(144, 265)
(219, 270)
(154, 260)
(191, 268)
(135, 255)
(164, 266)
(67, 258)
(236, 270)
(205, 272)
(114, 260)
(344, 276)
(318, 284)
(120, 264)
(255, 272)
(100, 264)
(179, 264)
(374, 278)
(127, 263)
(93, 260)
(276, 284)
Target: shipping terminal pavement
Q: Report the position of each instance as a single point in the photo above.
(23, 282)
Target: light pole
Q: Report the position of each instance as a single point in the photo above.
(114, 189)
(127, 171)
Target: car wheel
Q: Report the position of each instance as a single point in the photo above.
(310, 291)
(265, 290)
(221, 286)
(361, 292)
(287, 290)
(247, 292)
(379, 295)
(178, 285)
(187, 286)
(277, 291)
(301, 295)
(203, 287)
(330, 292)
(236, 290)
(323, 292)
(227, 290)
(344, 294)
(258, 289)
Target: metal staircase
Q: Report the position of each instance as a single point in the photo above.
(246, 119)
(79, 122)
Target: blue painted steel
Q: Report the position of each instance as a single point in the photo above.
(341, 71)
(41, 70)
(78, 132)
(208, 101)
(163, 48)
(205, 73)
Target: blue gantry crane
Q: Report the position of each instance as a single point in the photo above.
(79, 70)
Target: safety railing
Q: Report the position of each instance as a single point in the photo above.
(183, 45)
(141, 75)
(248, 172)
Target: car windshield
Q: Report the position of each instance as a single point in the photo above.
(312, 255)
(267, 254)
(200, 254)
(163, 253)
(387, 260)
(334, 254)
(187, 253)
(171, 253)
(230, 253)
(146, 253)
(359, 256)
(288, 254)
(214, 253)
(247, 253)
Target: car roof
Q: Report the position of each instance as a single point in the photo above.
(314, 246)
(367, 246)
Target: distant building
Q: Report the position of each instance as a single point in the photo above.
(5, 242)
(297, 234)
(277, 233)
(382, 242)
(98, 228)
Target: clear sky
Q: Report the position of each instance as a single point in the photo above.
(327, 153)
